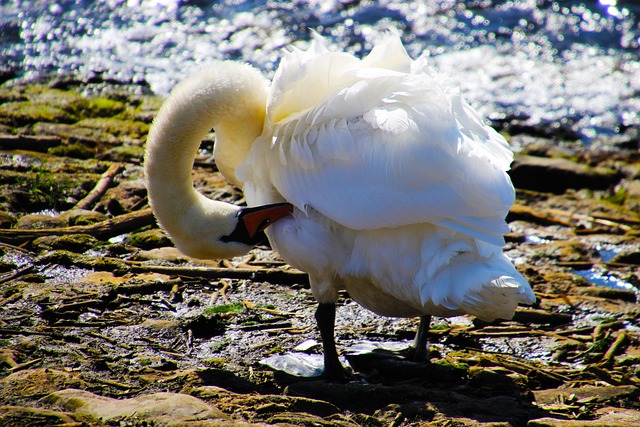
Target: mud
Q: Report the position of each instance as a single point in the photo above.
(103, 322)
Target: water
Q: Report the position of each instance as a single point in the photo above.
(571, 65)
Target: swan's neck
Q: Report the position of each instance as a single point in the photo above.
(229, 98)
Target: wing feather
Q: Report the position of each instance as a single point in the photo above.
(382, 148)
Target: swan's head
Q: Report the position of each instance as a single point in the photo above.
(214, 230)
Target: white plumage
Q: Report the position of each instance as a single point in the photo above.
(399, 190)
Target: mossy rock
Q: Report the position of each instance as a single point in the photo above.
(39, 221)
(149, 239)
(57, 97)
(8, 94)
(128, 153)
(76, 150)
(37, 383)
(631, 257)
(38, 189)
(101, 107)
(68, 259)
(567, 251)
(82, 217)
(75, 243)
(23, 113)
(89, 137)
(116, 127)
(7, 220)
(609, 293)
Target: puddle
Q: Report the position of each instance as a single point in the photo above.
(601, 278)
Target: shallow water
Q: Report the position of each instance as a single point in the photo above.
(571, 65)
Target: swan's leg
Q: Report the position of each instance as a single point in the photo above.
(326, 318)
(421, 341)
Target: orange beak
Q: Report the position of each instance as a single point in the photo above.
(256, 219)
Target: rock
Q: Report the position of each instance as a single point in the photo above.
(167, 409)
(36, 383)
(125, 197)
(24, 415)
(165, 254)
(528, 316)
(7, 219)
(627, 257)
(82, 217)
(555, 175)
(35, 221)
(611, 417)
(22, 113)
(591, 393)
(263, 404)
(149, 239)
(609, 293)
(74, 242)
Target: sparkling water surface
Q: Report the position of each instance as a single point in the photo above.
(572, 65)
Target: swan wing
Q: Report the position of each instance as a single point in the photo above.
(380, 143)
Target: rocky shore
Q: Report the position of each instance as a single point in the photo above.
(104, 323)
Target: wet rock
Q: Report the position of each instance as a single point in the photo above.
(26, 112)
(529, 316)
(36, 221)
(627, 257)
(149, 239)
(587, 393)
(609, 293)
(124, 153)
(611, 417)
(67, 258)
(116, 127)
(76, 149)
(36, 383)
(555, 175)
(166, 254)
(205, 326)
(75, 242)
(169, 409)
(7, 220)
(125, 197)
(82, 217)
(264, 405)
(25, 415)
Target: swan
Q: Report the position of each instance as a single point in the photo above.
(372, 175)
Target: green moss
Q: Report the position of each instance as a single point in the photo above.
(101, 107)
(144, 361)
(116, 127)
(26, 112)
(75, 242)
(618, 197)
(44, 188)
(215, 362)
(76, 150)
(452, 364)
(10, 95)
(149, 239)
(234, 308)
(124, 153)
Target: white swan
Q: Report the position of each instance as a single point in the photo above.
(374, 175)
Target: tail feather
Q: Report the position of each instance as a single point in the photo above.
(488, 289)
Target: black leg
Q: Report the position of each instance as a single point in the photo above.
(421, 342)
(326, 318)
